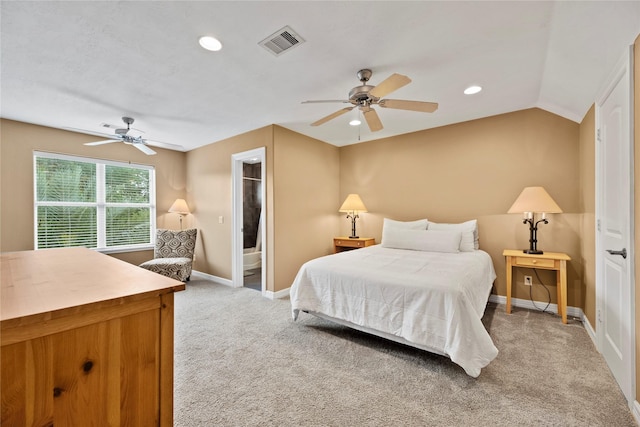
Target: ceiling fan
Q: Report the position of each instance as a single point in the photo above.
(365, 96)
(122, 135)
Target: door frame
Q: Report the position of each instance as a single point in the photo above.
(237, 159)
(625, 65)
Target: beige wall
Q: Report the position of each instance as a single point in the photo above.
(306, 185)
(209, 194)
(17, 143)
(301, 208)
(473, 170)
(588, 209)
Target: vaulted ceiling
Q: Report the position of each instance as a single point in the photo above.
(77, 64)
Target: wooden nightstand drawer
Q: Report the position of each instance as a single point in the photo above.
(345, 244)
(534, 262)
(350, 243)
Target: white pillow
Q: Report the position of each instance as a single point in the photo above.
(469, 230)
(420, 224)
(422, 240)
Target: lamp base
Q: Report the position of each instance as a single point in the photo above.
(532, 251)
(354, 237)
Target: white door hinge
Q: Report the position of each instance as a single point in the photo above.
(598, 225)
(598, 135)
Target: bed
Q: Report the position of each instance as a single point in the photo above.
(432, 298)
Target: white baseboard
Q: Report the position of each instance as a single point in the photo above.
(284, 293)
(590, 330)
(528, 304)
(219, 280)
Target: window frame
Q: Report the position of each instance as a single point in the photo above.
(101, 204)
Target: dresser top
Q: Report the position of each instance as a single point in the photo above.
(52, 280)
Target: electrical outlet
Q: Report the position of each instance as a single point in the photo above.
(528, 281)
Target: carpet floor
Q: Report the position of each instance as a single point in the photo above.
(240, 360)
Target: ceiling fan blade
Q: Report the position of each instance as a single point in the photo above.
(146, 150)
(400, 104)
(108, 141)
(393, 82)
(372, 119)
(344, 101)
(332, 116)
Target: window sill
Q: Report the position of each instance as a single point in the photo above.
(122, 249)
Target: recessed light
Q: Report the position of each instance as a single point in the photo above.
(355, 122)
(210, 43)
(472, 90)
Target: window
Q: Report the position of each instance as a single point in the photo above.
(98, 204)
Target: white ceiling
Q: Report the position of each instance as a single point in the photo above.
(81, 63)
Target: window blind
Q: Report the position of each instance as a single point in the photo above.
(92, 203)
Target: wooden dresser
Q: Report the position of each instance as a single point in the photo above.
(86, 340)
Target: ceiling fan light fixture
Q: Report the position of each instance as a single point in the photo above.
(210, 43)
(472, 90)
(355, 122)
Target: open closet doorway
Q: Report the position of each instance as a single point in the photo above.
(249, 231)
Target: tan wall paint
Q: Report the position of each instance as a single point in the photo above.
(19, 140)
(209, 188)
(306, 185)
(302, 188)
(472, 170)
(588, 209)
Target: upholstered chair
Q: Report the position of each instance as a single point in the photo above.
(173, 254)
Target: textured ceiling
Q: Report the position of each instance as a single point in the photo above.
(81, 63)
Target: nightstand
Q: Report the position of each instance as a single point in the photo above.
(341, 244)
(547, 261)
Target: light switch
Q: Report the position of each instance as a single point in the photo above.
(220, 220)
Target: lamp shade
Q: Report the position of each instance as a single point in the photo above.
(180, 206)
(353, 203)
(534, 199)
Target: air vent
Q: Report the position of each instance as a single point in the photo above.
(281, 41)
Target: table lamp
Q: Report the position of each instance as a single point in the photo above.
(353, 205)
(181, 208)
(534, 200)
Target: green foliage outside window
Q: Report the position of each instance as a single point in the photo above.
(65, 181)
(92, 204)
(126, 185)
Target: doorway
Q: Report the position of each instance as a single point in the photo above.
(615, 314)
(249, 219)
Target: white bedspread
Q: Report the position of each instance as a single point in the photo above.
(435, 300)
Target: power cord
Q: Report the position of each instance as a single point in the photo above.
(544, 310)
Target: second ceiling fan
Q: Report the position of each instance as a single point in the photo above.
(122, 135)
(365, 96)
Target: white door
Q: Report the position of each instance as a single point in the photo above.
(615, 327)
